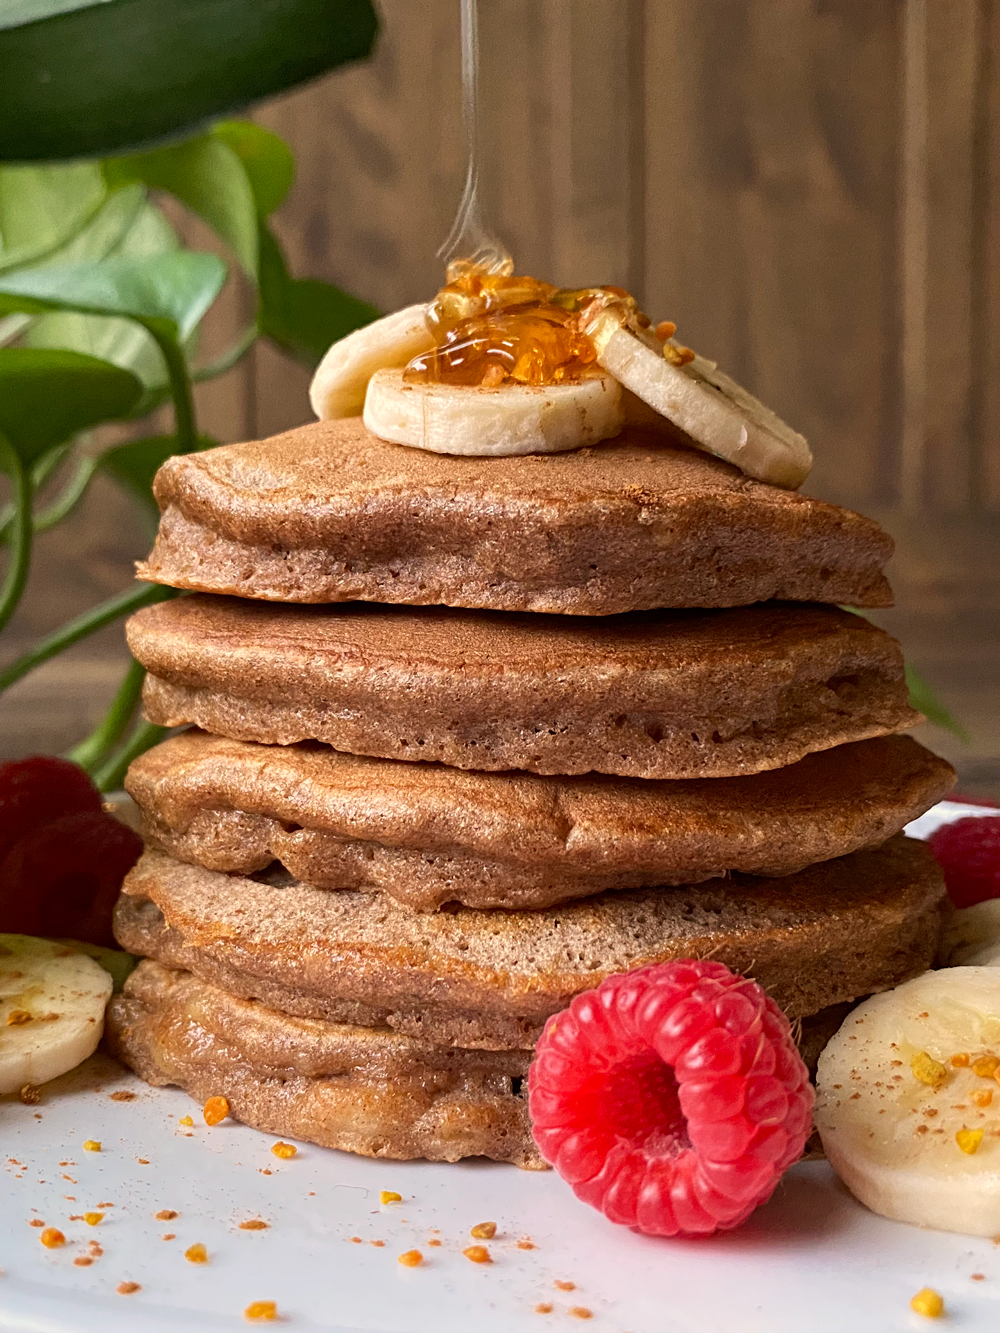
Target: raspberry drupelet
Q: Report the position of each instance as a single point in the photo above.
(672, 1098)
(968, 852)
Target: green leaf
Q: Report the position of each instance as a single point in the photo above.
(925, 701)
(48, 396)
(44, 207)
(121, 341)
(83, 78)
(207, 177)
(267, 161)
(168, 293)
(136, 463)
(303, 315)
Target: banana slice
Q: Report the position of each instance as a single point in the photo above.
(51, 1010)
(908, 1105)
(972, 936)
(341, 379)
(718, 415)
(511, 419)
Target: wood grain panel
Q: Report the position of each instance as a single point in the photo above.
(986, 263)
(943, 52)
(772, 137)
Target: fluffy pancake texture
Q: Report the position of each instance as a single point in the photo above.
(428, 835)
(826, 935)
(328, 513)
(364, 1090)
(672, 694)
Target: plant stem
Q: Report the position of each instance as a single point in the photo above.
(180, 391)
(19, 561)
(40, 474)
(64, 503)
(112, 727)
(74, 630)
(109, 776)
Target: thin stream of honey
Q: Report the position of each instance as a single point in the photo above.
(469, 238)
(491, 326)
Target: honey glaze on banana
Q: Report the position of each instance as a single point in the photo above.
(494, 328)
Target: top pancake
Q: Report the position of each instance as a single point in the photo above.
(329, 513)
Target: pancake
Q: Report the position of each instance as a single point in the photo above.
(827, 935)
(329, 513)
(365, 1090)
(655, 695)
(428, 835)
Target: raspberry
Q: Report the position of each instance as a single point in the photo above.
(969, 854)
(35, 791)
(63, 879)
(671, 1098)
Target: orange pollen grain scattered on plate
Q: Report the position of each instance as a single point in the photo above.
(411, 1258)
(389, 1196)
(581, 1312)
(564, 1286)
(52, 1238)
(284, 1149)
(215, 1110)
(127, 1288)
(165, 1215)
(478, 1254)
(92, 1219)
(254, 1224)
(257, 1310)
(92, 1145)
(196, 1254)
(483, 1231)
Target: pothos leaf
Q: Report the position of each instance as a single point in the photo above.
(208, 177)
(303, 315)
(83, 78)
(925, 701)
(169, 293)
(48, 396)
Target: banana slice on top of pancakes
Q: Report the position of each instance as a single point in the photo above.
(500, 364)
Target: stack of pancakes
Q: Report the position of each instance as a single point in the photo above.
(471, 735)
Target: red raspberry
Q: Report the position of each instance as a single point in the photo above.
(37, 790)
(63, 879)
(671, 1098)
(969, 853)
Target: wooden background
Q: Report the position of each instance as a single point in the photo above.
(809, 188)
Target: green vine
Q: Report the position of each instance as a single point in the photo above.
(120, 282)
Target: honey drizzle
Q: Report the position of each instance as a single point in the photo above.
(469, 238)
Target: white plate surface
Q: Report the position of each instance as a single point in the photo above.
(811, 1261)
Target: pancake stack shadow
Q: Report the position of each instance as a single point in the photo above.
(467, 736)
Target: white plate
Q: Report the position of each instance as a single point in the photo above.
(810, 1261)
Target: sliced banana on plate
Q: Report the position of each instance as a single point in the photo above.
(52, 1003)
(719, 416)
(510, 419)
(972, 936)
(341, 380)
(908, 1101)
